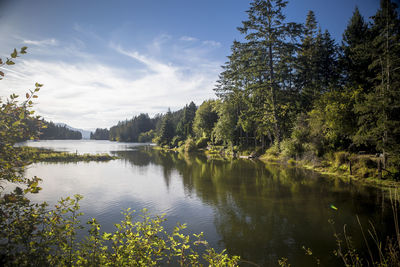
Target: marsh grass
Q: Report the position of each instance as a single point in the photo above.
(380, 251)
(48, 155)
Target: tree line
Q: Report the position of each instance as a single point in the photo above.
(52, 131)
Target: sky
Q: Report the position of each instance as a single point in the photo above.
(106, 61)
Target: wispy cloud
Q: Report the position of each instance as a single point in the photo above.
(212, 43)
(86, 92)
(45, 42)
(188, 39)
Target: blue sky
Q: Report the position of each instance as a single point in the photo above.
(105, 61)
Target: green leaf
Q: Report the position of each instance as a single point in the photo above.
(23, 50)
(14, 54)
(9, 62)
(22, 115)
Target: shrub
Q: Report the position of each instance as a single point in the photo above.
(341, 158)
(190, 145)
(289, 149)
(273, 150)
(202, 142)
(291, 162)
(175, 141)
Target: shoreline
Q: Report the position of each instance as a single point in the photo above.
(325, 167)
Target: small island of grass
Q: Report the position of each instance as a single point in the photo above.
(48, 155)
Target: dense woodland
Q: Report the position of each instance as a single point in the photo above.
(292, 88)
(53, 131)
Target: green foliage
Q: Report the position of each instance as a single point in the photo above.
(205, 119)
(17, 123)
(175, 141)
(185, 126)
(202, 142)
(190, 145)
(341, 157)
(47, 155)
(146, 137)
(225, 128)
(51, 131)
(289, 148)
(273, 150)
(130, 130)
(101, 134)
(167, 130)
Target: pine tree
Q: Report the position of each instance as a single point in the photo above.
(379, 108)
(167, 130)
(355, 57)
(268, 43)
(316, 64)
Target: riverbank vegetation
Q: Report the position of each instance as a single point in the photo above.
(48, 155)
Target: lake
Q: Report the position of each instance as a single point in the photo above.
(261, 212)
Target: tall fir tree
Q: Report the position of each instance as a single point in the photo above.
(379, 108)
(355, 57)
(167, 130)
(316, 63)
(269, 41)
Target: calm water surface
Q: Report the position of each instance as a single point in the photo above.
(260, 212)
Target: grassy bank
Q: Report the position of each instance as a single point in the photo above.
(363, 169)
(47, 155)
(348, 167)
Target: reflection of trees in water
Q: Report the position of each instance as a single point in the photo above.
(268, 211)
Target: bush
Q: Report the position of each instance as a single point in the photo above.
(175, 141)
(202, 142)
(146, 137)
(142, 242)
(341, 158)
(289, 149)
(273, 150)
(190, 145)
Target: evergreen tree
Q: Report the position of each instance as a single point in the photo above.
(316, 69)
(355, 57)
(167, 130)
(379, 108)
(100, 134)
(269, 42)
(185, 126)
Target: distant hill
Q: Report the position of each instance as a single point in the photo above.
(85, 133)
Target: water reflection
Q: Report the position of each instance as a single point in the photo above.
(260, 212)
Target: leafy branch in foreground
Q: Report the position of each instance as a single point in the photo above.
(37, 237)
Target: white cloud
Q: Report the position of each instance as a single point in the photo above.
(188, 39)
(45, 42)
(212, 43)
(86, 93)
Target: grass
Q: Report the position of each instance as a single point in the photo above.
(47, 155)
(364, 168)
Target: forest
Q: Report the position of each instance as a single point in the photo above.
(53, 131)
(291, 89)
